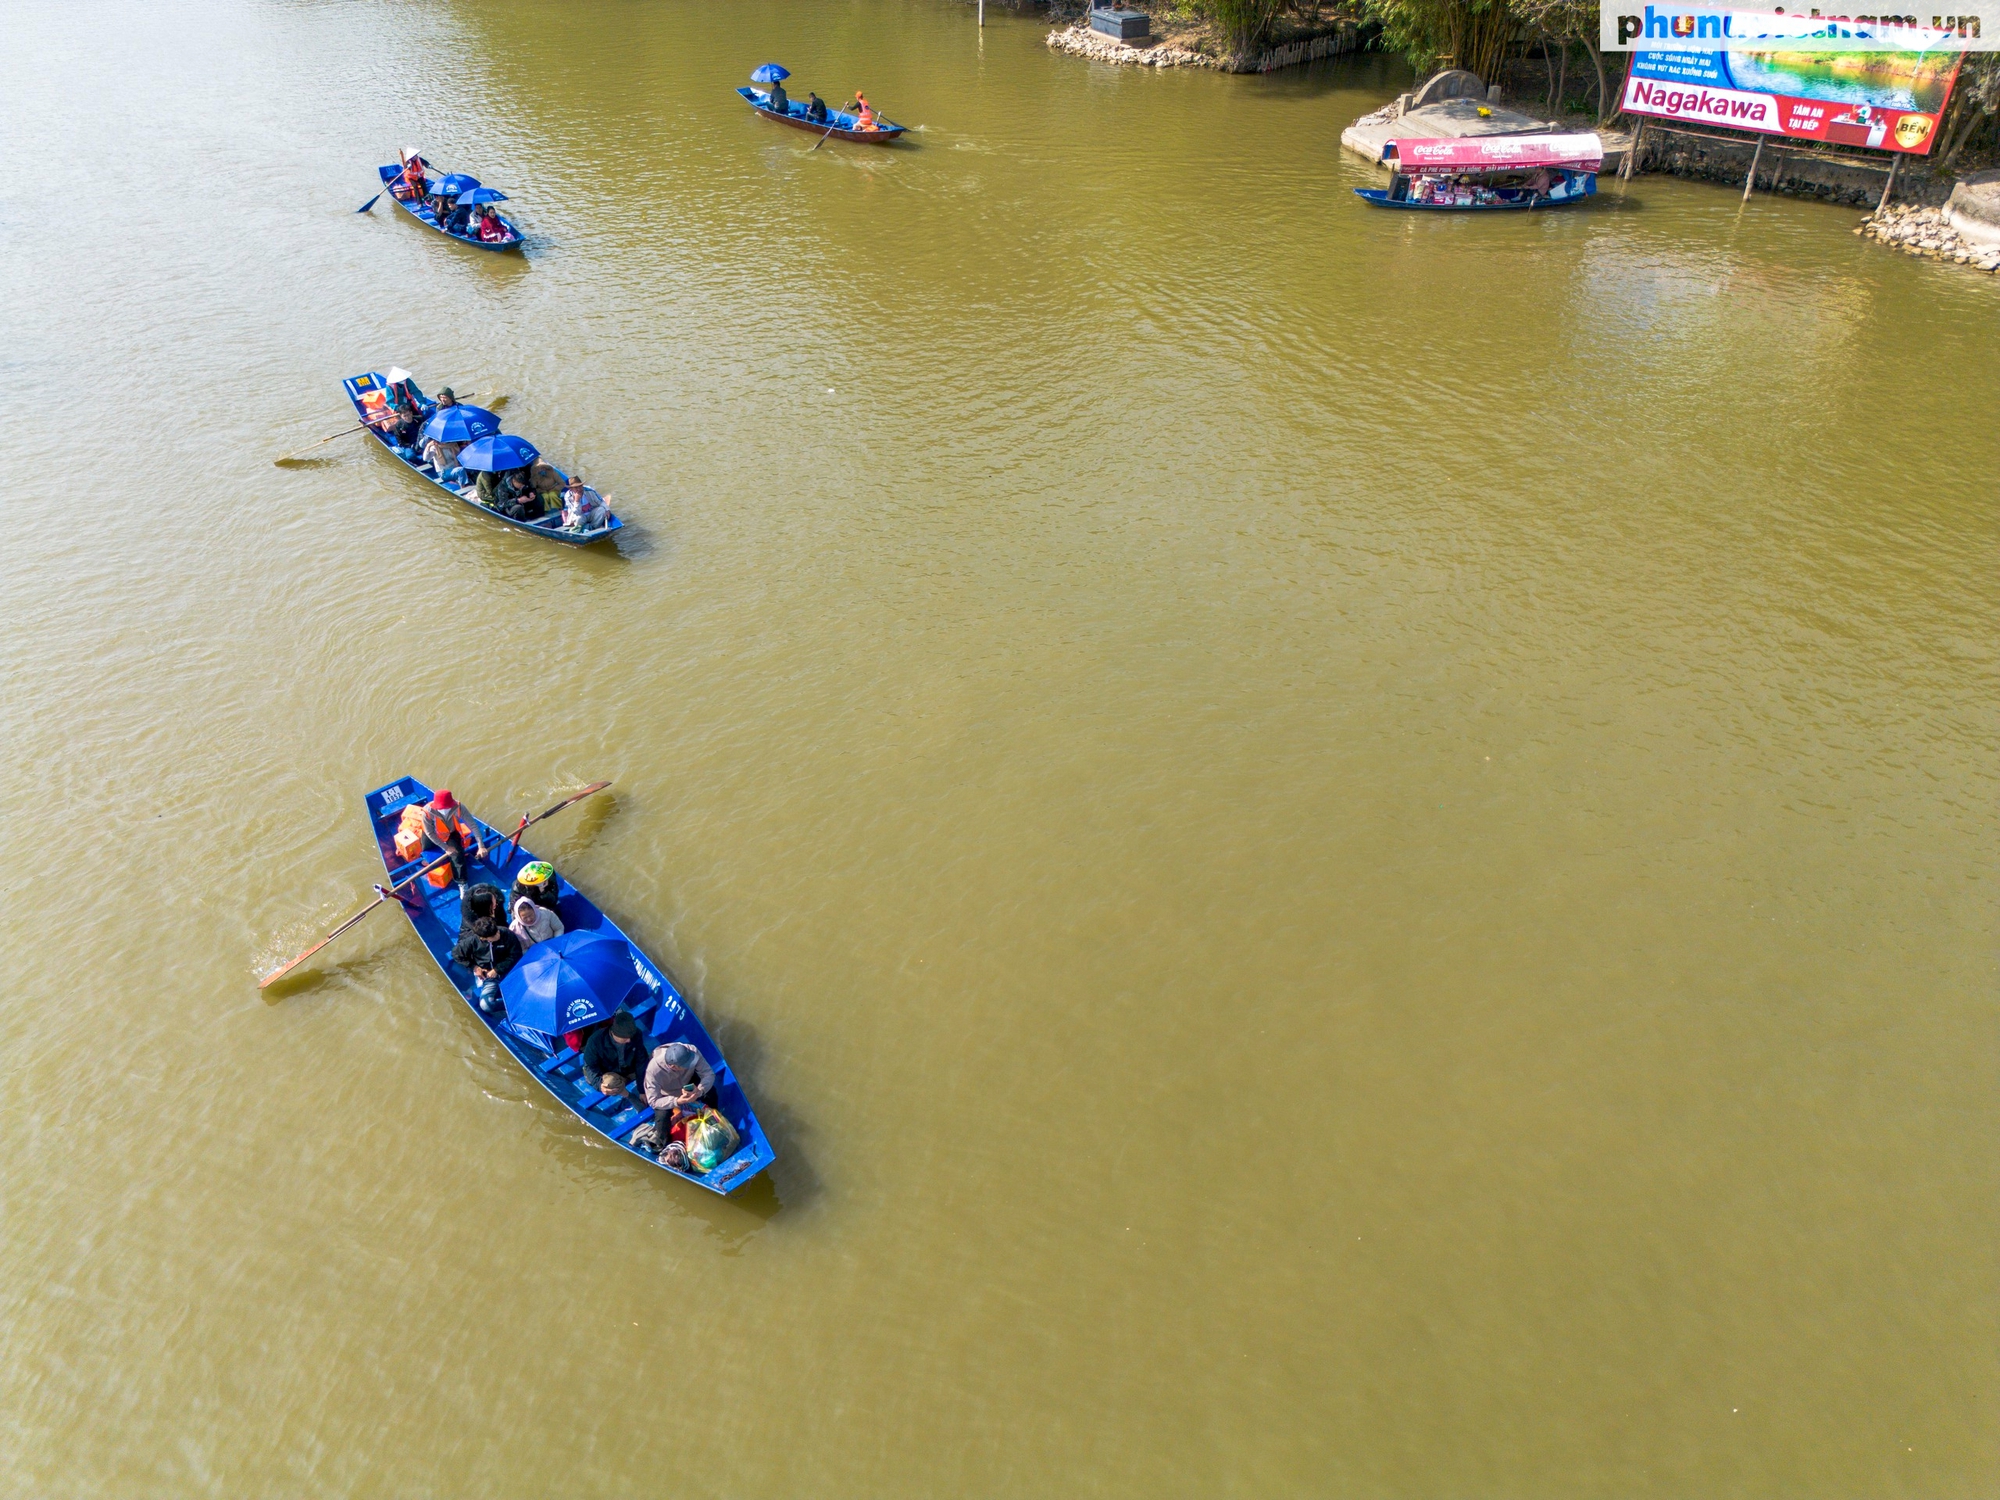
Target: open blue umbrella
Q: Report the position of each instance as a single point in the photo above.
(473, 197)
(497, 454)
(456, 183)
(571, 981)
(461, 424)
(770, 73)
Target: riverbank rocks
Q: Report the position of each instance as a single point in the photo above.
(1974, 209)
(1929, 232)
(1081, 41)
(1193, 49)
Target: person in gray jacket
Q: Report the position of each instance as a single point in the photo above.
(677, 1079)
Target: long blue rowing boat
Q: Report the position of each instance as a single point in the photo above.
(842, 127)
(663, 1011)
(421, 212)
(370, 393)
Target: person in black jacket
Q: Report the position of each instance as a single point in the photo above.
(490, 951)
(614, 1059)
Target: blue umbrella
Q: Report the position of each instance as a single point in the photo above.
(456, 183)
(473, 197)
(497, 454)
(770, 73)
(461, 424)
(570, 981)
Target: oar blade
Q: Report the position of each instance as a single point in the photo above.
(279, 973)
(368, 205)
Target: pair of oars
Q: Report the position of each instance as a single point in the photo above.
(388, 893)
(489, 403)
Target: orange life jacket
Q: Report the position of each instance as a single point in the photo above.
(867, 121)
(413, 175)
(441, 827)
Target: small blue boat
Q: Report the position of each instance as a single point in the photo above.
(1474, 173)
(457, 225)
(661, 1008)
(842, 127)
(370, 393)
(1569, 187)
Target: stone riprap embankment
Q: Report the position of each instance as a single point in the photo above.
(1929, 232)
(1166, 52)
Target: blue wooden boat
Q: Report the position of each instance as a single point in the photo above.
(663, 1011)
(1493, 172)
(370, 393)
(842, 127)
(1571, 187)
(421, 212)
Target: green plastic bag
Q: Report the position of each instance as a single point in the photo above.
(711, 1140)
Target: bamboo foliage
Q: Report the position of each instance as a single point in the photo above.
(1469, 34)
(1248, 22)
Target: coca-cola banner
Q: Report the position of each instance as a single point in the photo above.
(1888, 100)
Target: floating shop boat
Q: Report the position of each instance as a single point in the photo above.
(1489, 172)
(842, 127)
(370, 395)
(660, 1007)
(469, 193)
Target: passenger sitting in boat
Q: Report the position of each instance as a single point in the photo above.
(447, 829)
(534, 924)
(516, 497)
(486, 488)
(779, 100)
(614, 1059)
(491, 230)
(443, 457)
(815, 108)
(540, 884)
(583, 509)
(547, 484)
(677, 1078)
(490, 951)
(441, 205)
(479, 900)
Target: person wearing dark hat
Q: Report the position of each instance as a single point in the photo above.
(614, 1059)
(448, 830)
(447, 397)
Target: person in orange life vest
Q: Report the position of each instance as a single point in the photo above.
(447, 828)
(867, 121)
(410, 186)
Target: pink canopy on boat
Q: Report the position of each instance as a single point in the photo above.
(1498, 153)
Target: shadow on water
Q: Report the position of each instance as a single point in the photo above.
(791, 1178)
(635, 542)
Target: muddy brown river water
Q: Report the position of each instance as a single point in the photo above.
(1347, 853)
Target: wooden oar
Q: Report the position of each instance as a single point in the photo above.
(381, 895)
(489, 403)
(829, 130)
(527, 822)
(369, 204)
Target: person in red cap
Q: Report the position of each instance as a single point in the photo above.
(449, 830)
